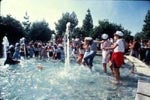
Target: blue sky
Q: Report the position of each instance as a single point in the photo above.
(130, 14)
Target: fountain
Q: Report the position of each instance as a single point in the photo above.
(53, 38)
(55, 81)
(66, 45)
(5, 46)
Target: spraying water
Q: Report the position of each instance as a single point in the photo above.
(5, 45)
(53, 38)
(66, 45)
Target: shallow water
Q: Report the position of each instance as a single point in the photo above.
(26, 82)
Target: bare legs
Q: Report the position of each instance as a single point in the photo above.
(104, 68)
(116, 72)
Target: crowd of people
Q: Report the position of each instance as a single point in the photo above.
(140, 49)
(83, 50)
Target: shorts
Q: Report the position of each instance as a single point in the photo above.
(117, 59)
(105, 57)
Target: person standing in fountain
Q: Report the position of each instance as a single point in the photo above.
(105, 53)
(117, 58)
(16, 54)
(80, 54)
(86, 48)
(9, 60)
(89, 58)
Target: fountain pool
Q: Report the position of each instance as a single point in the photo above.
(27, 82)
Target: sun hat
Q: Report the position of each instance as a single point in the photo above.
(119, 33)
(104, 36)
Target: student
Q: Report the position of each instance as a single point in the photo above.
(117, 58)
(89, 58)
(86, 48)
(80, 54)
(105, 53)
(16, 54)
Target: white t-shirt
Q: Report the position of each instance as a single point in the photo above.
(120, 47)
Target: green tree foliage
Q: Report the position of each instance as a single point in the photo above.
(146, 26)
(78, 32)
(26, 24)
(61, 24)
(87, 26)
(110, 28)
(145, 33)
(139, 35)
(40, 31)
(12, 28)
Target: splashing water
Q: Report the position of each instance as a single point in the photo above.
(26, 82)
(5, 44)
(66, 45)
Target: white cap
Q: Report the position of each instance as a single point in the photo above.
(119, 33)
(104, 36)
(77, 39)
(88, 38)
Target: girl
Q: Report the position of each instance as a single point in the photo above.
(86, 48)
(81, 54)
(117, 58)
(105, 53)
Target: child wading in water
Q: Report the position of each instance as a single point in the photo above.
(81, 54)
(105, 53)
(117, 58)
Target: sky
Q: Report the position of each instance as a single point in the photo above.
(130, 14)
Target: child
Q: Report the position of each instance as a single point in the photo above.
(86, 48)
(81, 54)
(117, 58)
(105, 53)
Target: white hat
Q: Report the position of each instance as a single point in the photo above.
(119, 33)
(88, 38)
(77, 39)
(104, 36)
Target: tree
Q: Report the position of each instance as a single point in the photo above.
(78, 32)
(12, 28)
(146, 26)
(139, 35)
(40, 31)
(26, 24)
(127, 35)
(110, 28)
(87, 24)
(61, 24)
